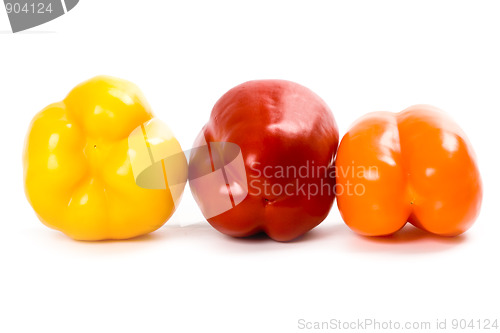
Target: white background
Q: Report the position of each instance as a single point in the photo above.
(359, 56)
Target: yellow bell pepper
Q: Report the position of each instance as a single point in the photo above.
(83, 156)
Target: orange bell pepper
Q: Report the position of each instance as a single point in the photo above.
(415, 166)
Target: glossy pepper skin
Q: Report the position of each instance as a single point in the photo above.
(77, 173)
(423, 171)
(276, 124)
